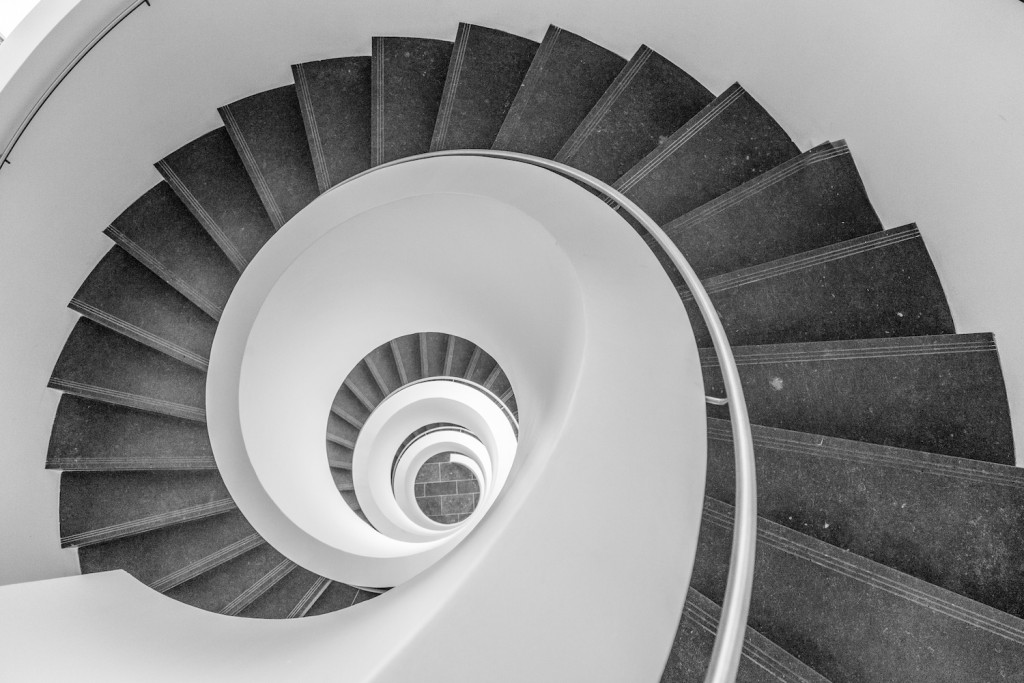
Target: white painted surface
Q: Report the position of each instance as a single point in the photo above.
(12, 12)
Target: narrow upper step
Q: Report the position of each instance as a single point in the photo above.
(158, 230)
(566, 78)
(407, 82)
(729, 142)
(856, 620)
(338, 596)
(950, 521)
(269, 135)
(941, 394)
(334, 95)
(648, 101)
(485, 72)
(879, 285)
(806, 203)
(212, 182)
(289, 598)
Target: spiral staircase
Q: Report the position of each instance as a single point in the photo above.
(889, 544)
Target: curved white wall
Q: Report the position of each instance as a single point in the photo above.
(929, 95)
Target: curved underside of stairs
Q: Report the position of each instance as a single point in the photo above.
(889, 544)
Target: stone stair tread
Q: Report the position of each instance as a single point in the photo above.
(160, 232)
(953, 522)
(406, 350)
(334, 95)
(338, 596)
(433, 352)
(268, 132)
(124, 295)
(339, 456)
(941, 394)
(853, 619)
(729, 142)
(234, 585)
(406, 85)
(209, 178)
(485, 72)
(565, 80)
(880, 285)
(648, 101)
(289, 598)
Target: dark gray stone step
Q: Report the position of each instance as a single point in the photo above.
(289, 598)
(433, 352)
(381, 364)
(852, 619)
(234, 585)
(269, 135)
(103, 365)
(485, 72)
(96, 507)
(351, 406)
(481, 365)
(406, 85)
(953, 522)
(90, 435)
(168, 557)
(364, 386)
(342, 430)
(940, 394)
(338, 596)
(565, 80)
(339, 456)
(351, 500)
(406, 351)
(762, 662)
(879, 285)
(500, 386)
(729, 142)
(342, 479)
(212, 182)
(124, 295)
(158, 230)
(808, 202)
(458, 356)
(334, 95)
(648, 101)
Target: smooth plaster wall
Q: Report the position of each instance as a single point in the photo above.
(929, 95)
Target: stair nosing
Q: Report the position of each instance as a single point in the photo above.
(259, 588)
(143, 524)
(204, 564)
(318, 154)
(451, 86)
(309, 598)
(252, 167)
(127, 399)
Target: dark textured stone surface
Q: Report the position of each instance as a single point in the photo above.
(91, 435)
(363, 383)
(729, 142)
(381, 363)
(446, 492)
(167, 557)
(269, 135)
(100, 364)
(337, 596)
(565, 80)
(101, 506)
(234, 585)
(158, 230)
(209, 178)
(855, 620)
(122, 294)
(808, 202)
(460, 356)
(480, 367)
(406, 86)
(339, 456)
(879, 285)
(341, 431)
(485, 72)
(288, 598)
(348, 405)
(941, 394)
(406, 351)
(762, 662)
(334, 95)
(648, 101)
(436, 346)
(953, 522)
(342, 479)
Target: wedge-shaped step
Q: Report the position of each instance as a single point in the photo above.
(270, 137)
(406, 86)
(289, 598)
(852, 619)
(96, 507)
(338, 596)
(362, 383)
(381, 364)
(339, 456)
(334, 95)
(762, 662)
(433, 352)
(566, 78)
(209, 178)
(122, 294)
(158, 230)
(168, 557)
(879, 285)
(90, 435)
(342, 479)
(481, 367)
(406, 351)
(648, 101)
(101, 364)
(232, 586)
(342, 429)
(729, 142)
(808, 202)
(352, 405)
(457, 356)
(950, 521)
(485, 72)
(941, 394)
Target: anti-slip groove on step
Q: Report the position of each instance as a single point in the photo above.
(127, 399)
(250, 594)
(566, 79)
(190, 571)
(138, 526)
(309, 598)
